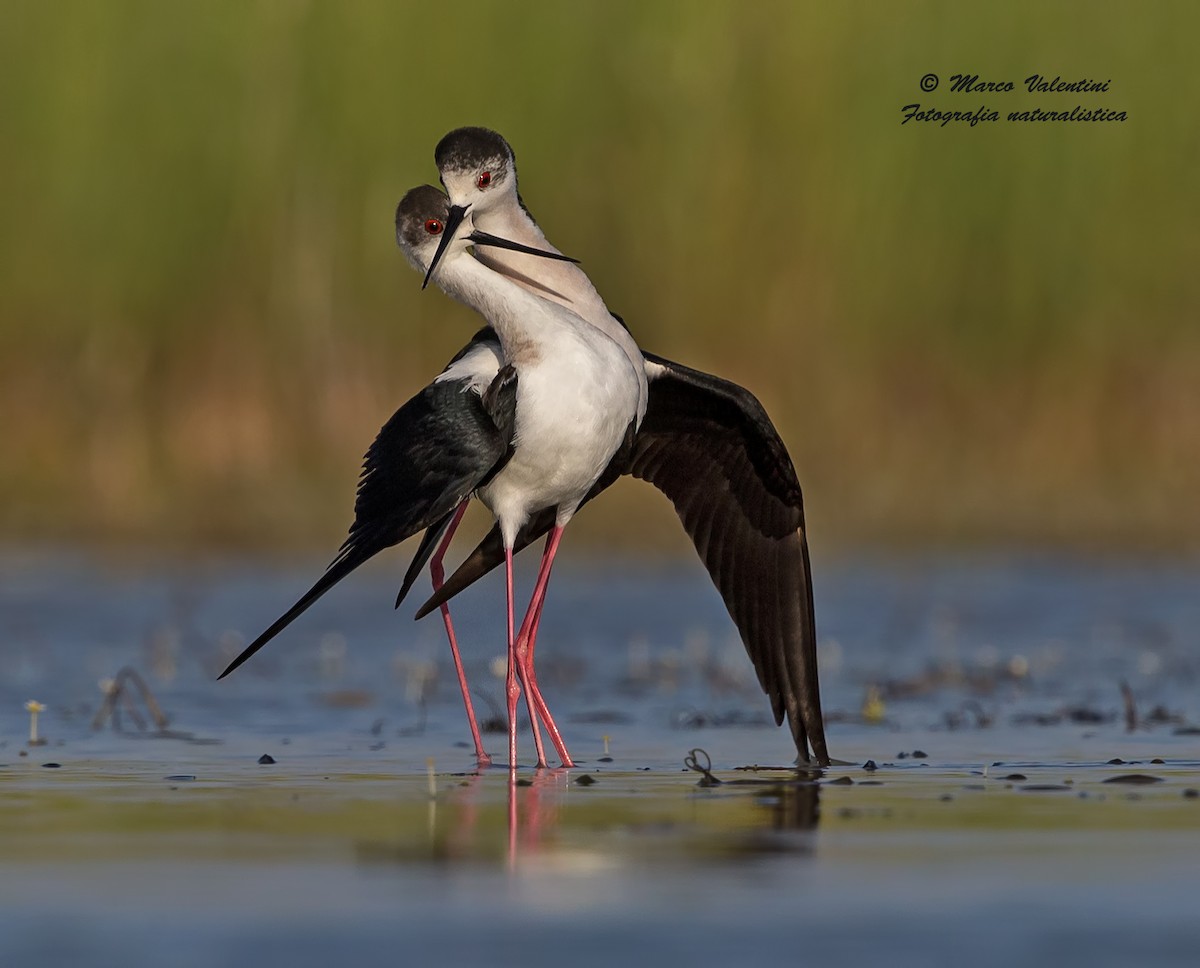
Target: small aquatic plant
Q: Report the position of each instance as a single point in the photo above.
(873, 708)
(34, 707)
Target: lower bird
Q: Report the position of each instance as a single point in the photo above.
(541, 434)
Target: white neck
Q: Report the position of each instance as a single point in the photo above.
(519, 317)
(561, 282)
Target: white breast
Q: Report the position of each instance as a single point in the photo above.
(562, 282)
(574, 403)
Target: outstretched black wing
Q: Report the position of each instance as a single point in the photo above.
(710, 447)
(433, 452)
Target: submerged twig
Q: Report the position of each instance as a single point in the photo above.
(119, 691)
(417, 728)
(1131, 719)
(692, 762)
(497, 722)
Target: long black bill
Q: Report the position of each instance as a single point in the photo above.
(453, 221)
(486, 238)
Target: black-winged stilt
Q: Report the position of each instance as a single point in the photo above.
(576, 395)
(421, 471)
(705, 442)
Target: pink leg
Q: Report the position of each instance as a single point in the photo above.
(529, 632)
(532, 632)
(438, 574)
(528, 638)
(523, 674)
(512, 820)
(529, 629)
(524, 670)
(511, 689)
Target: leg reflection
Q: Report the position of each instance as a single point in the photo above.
(529, 814)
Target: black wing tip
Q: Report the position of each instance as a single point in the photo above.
(235, 663)
(405, 588)
(409, 580)
(278, 626)
(349, 558)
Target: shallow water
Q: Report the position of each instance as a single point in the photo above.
(1003, 843)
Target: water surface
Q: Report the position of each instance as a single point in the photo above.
(989, 830)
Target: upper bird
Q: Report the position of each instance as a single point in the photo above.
(705, 442)
(575, 395)
(479, 171)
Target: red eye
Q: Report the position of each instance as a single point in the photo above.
(484, 179)
(434, 227)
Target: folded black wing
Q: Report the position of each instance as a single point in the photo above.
(433, 452)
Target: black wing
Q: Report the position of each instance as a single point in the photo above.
(431, 454)
(710, 447)
(429, 542)
(433, 534)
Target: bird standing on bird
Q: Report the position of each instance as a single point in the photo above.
(705, 442)
(574, 390)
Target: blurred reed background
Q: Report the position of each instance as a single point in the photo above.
(965, 335)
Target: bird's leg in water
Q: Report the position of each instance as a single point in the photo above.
(523, 672)
(527, 639)
(512, 688)
(523, 675)
(512, 691)
(438, 574)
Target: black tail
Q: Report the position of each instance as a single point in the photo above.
(339, 568)
(429, 541)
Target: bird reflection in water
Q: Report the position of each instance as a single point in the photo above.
(532, 822)
(793, 805)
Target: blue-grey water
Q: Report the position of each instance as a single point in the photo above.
(372, 838)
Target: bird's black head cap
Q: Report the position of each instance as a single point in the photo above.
(415, 208)
(467, 149)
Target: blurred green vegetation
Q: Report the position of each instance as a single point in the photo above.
(964, 334)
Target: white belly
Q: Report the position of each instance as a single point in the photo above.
(574, 404)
